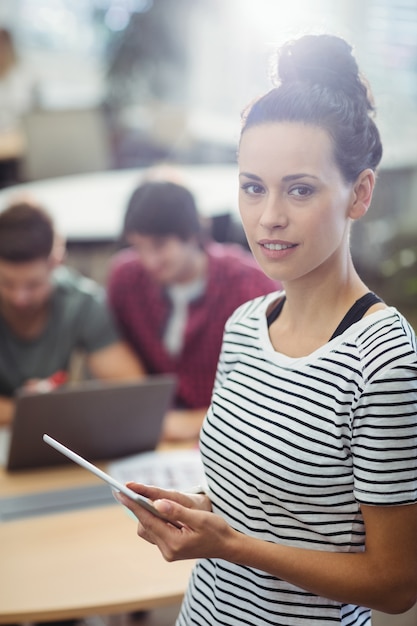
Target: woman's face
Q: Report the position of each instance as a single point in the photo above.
(294, 203)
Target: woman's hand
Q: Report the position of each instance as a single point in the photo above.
(201, 533)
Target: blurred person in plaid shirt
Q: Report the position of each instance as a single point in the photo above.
(172, 291)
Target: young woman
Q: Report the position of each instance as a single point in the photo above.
(309, 446)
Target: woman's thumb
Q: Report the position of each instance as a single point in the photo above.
(172, 511)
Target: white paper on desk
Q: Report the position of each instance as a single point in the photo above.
(174, 469)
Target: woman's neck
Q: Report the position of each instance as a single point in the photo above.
(312, 311)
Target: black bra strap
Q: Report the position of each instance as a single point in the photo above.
(272, 316)
(355, 313)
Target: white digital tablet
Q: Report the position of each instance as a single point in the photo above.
(115, 484)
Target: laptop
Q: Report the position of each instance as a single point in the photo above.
(99, 420)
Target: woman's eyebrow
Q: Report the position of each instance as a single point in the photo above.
(291, 177)
(286, 179)
(251, 176)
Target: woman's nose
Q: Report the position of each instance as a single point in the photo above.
(274, 213)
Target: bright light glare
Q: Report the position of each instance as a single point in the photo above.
(272, 22)
(117, 18)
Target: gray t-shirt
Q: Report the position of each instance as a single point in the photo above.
(79, 320)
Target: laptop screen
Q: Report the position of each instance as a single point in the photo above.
(101, 420)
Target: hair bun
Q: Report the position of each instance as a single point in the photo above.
(325, 60)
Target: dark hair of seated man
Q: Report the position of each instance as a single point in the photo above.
(26, 233)
(161, 208)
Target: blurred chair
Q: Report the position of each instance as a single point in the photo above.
(63, 142)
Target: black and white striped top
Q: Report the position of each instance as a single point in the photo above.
(292, 447)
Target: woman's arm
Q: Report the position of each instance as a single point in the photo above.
(383, 577)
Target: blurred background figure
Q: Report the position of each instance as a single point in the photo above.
(172, 291)
(48, 312)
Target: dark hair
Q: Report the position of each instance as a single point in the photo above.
(162, 208)
(319, 84)
(26, 233)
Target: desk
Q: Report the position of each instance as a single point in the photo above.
(79, 563)
(88, 562)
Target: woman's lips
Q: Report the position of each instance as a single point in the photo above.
(278, 246)
(276, 249)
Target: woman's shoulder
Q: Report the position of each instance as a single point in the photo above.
(253, 310)
(386, 322)
(384, 339)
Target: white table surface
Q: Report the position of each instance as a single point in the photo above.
(91, 207)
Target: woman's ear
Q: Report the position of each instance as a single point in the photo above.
(362, 194)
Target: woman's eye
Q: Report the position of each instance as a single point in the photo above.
(252, 189)
(301, 191)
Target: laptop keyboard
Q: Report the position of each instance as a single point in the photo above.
(57, 501)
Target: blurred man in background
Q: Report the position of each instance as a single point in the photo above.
(49, 311)
(172, 292)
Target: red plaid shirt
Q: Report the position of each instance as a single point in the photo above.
(142, 308)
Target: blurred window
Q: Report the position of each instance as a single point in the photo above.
(208, 56)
